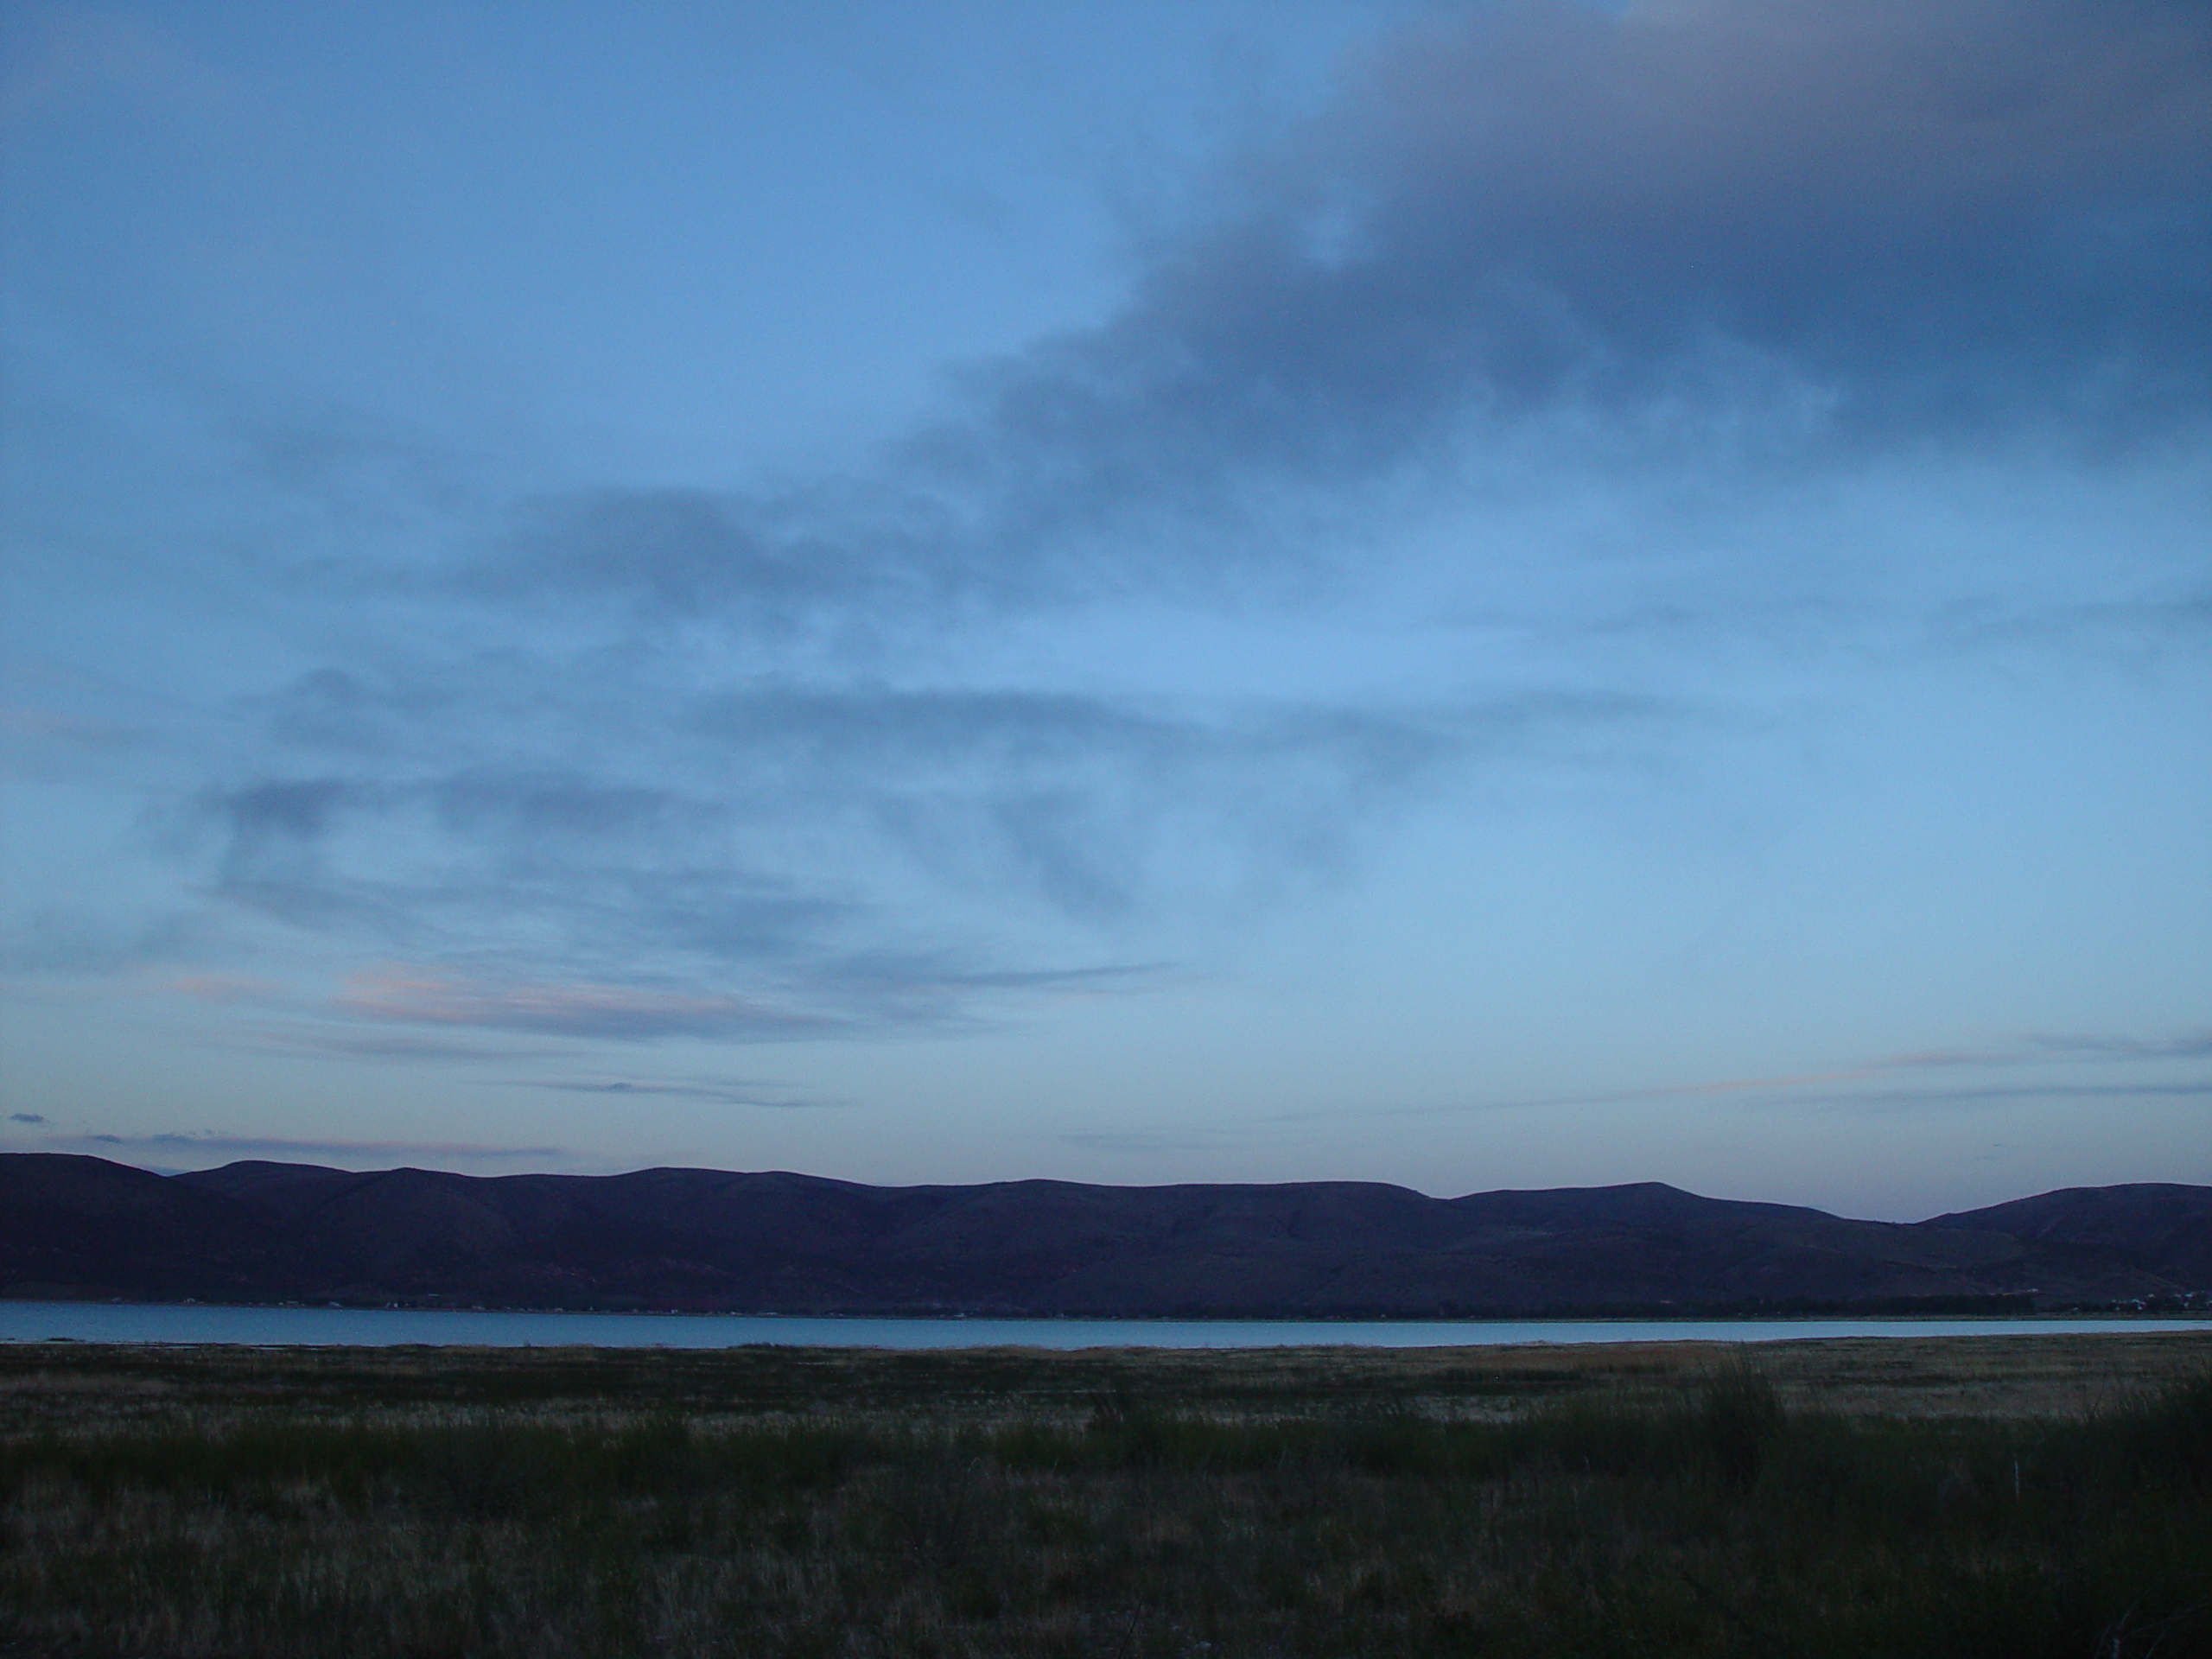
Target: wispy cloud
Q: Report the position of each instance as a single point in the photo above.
(736, 1092)
(786, 857)
(2033, 1049)
(217, 988)
(1841, 1087)
(2146, 627)
(567, 1010)
(2195, 1045)
(1143, 1143)
(58, 939)
(209, 1143)
(351, 1042)
(1879, 1100)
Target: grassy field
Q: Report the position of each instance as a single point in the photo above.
(2012, 1496)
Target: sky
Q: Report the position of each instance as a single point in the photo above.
(1521, 593)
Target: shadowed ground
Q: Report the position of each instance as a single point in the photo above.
(2014, 1495)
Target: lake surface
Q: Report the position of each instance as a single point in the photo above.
(387, 1328)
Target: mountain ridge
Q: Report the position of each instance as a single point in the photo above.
(781, 1242)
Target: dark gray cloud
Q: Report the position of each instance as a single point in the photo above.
(1756, 226)
(1971, 210)
(25, 1118)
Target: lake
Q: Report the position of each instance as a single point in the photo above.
(387, 1328)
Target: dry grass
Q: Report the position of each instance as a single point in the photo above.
(2014, 1497)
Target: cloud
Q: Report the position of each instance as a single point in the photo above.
(720, 1093)
(2194, 1045)
(345, 1044)
(1148, 1142)
(2032, 1052)
(217, 988)
(2032, 1049)
(25, 1118)
(856, 994)
(1757, 227)
(251, 1146)
(1089, 802)
(73, 939)
(568, 1010)
(349, 711)
(1969, 211)
(752, 763)
(778, 855)
(2004, 1094)
(2132, 630)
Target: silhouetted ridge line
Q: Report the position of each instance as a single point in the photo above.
(704, 1239)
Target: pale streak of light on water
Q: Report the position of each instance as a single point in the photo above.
(387, 1328)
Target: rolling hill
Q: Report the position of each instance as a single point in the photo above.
(712, 1239)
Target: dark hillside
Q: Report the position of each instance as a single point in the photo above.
(83, 1227)
(699, 1238)
(2165, 1228)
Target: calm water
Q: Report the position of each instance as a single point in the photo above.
(383, 1328)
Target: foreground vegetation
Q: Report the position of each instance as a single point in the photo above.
(1818, 1499)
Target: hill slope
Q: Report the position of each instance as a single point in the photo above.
(702, 1239)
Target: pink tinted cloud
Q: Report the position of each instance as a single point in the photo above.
(575, 1008)
(217, 987)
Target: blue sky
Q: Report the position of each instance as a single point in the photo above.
(1473, 596)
